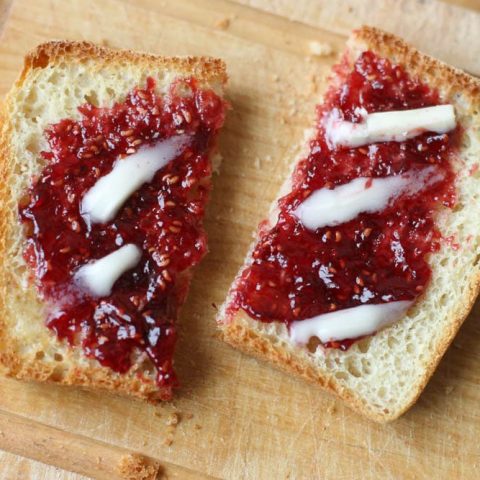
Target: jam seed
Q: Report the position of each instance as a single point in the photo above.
(126, 133)
(142, 94)
(363, 150)
(177, 119)
(356, 289)
(296, 311)
(338, 236)
(134, 300)
(131, 150)
(333, 306)
(173, 180)
(166, 275)
(374, 277)
(65, 250)
(174, 229)
(155, 111)
(342, 263)
(271, 284)
(367, 232)
(178, 223)
(419, 288)
(164, 260)
(170, 203)
(24, 201)
(29, 229)
(359, 281)
(328, 235)
(187, 116)
(136, 142)
(75, 226)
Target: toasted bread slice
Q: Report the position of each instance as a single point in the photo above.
(56, 79)
(383, 375)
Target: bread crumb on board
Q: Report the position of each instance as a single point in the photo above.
(133, 466)
(449, 389)
(168, 441)
(173, 419)
(223, 23)
(320, 49)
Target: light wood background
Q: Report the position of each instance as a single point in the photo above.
(239, 419)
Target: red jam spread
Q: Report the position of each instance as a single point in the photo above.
(379, 257)
(163, 218)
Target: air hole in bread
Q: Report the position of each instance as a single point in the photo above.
(366, 366)
(39, 355)
(353, 369)
(57, 357)
(341, 375)
(392, 342)
(32, 146)
(56, 375)
(313, 344)
(92, 98)
(363, 345)
(443, 300)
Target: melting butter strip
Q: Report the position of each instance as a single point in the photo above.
(396, 126)
(330, 207)
(348, 323)
(102, 202)
(99, 276)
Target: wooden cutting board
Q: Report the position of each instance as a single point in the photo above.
(238, 418)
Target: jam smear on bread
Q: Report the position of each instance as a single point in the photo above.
(162, 218)
(297, 273)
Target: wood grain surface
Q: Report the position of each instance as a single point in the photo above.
(238, 418)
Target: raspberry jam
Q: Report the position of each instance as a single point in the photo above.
(378, 257)
(163, 218)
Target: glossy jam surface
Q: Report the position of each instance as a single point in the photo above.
(377, 257)
(163, 218)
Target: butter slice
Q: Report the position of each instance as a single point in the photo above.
(102, 202)
(99, 276)
(330, 207)
(396, 126)
(348, 323)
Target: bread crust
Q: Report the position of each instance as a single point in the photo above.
(206, 70)
(460, 89)
(90, 374)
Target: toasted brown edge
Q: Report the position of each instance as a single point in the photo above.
(206, 70)
(236, 332)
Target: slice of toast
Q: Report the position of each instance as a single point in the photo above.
(57, 78)
(382, 375)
